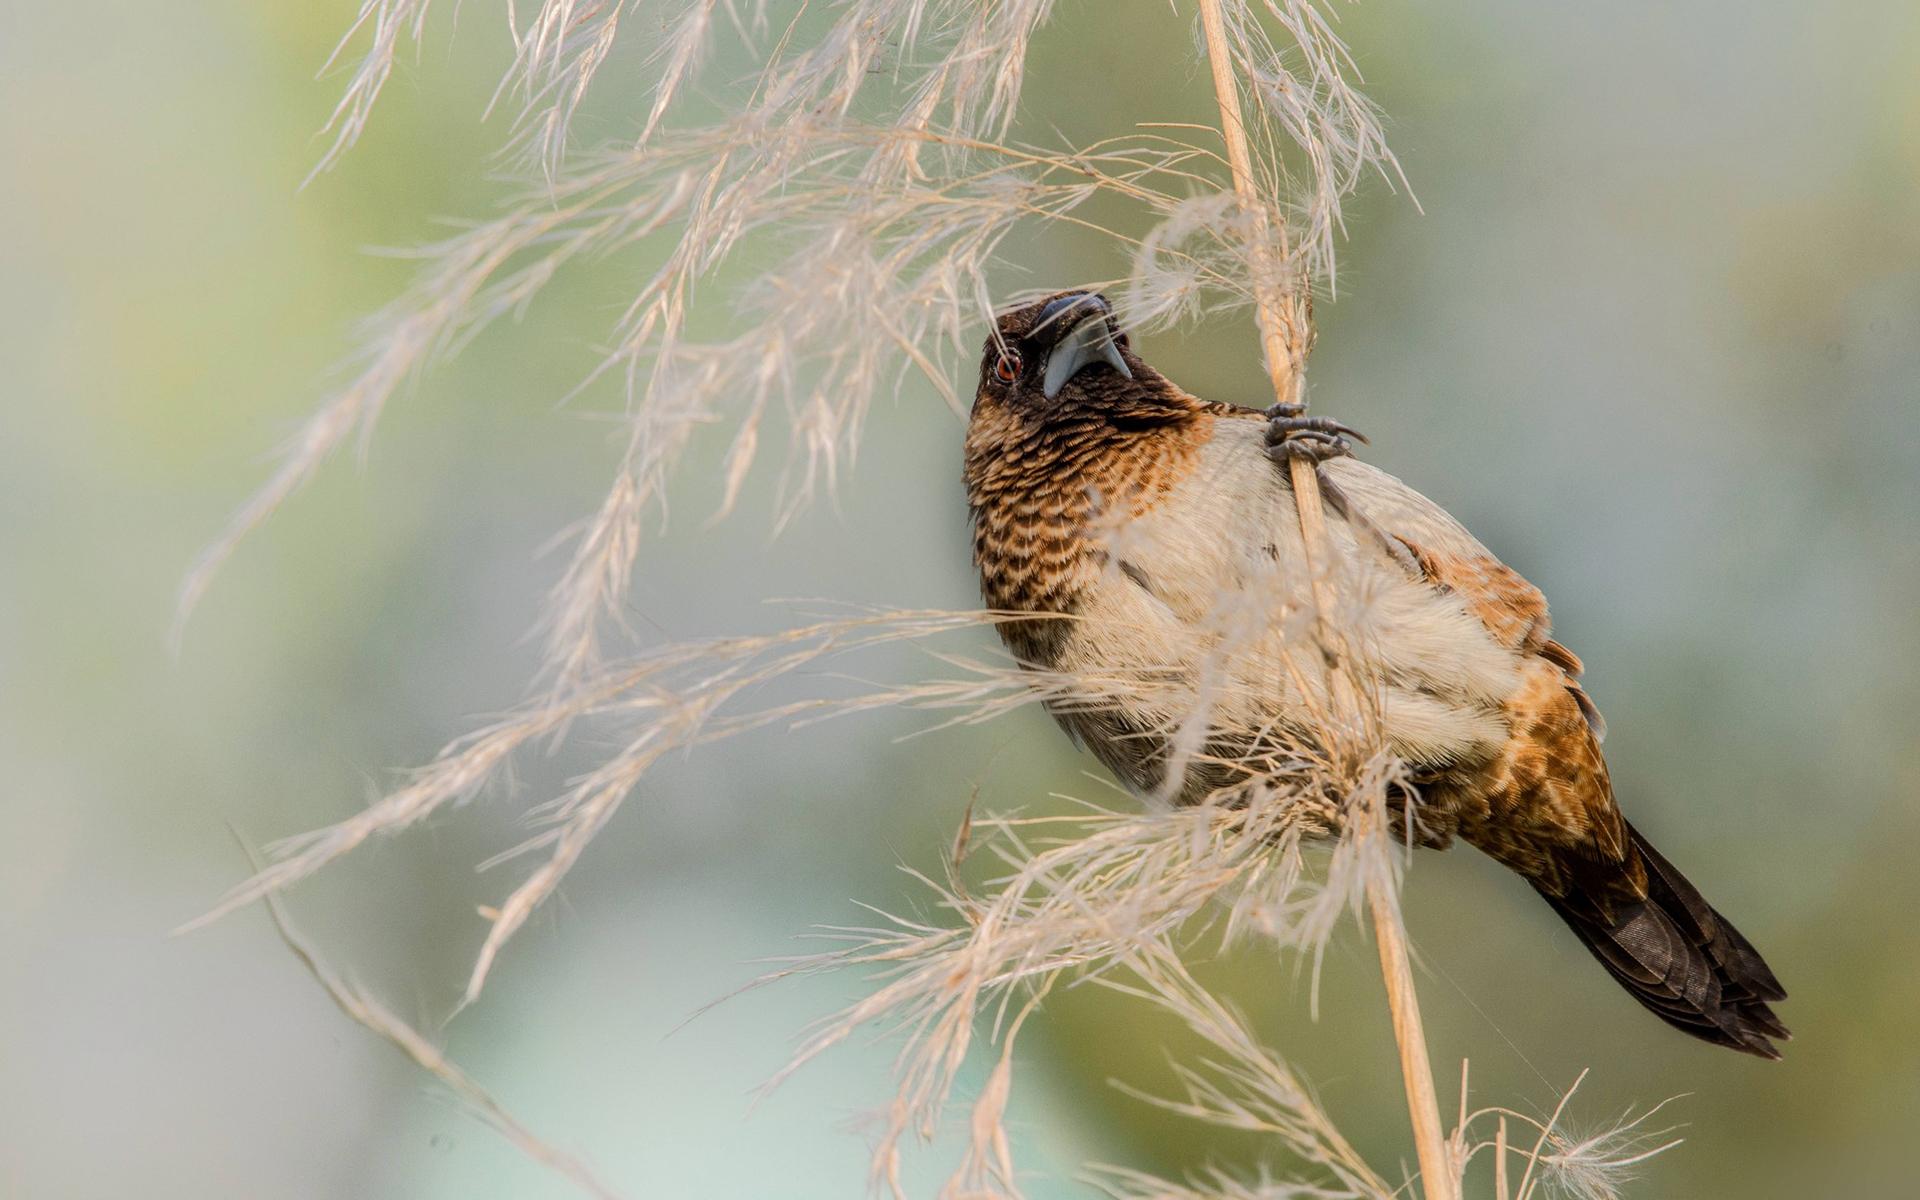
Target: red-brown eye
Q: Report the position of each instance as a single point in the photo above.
(1008, 368)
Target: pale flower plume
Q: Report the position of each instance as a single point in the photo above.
(871, 161)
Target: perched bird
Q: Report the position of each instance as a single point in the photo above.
(1135, 521)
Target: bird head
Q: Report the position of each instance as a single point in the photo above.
(1061, 352)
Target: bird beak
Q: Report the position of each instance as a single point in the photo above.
(1088, 342)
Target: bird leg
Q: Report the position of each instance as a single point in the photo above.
(1292, 434)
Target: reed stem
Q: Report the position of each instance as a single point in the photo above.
(1285, 334)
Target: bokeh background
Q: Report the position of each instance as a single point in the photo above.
(1656, 338)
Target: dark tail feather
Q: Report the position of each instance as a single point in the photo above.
(1681, 959)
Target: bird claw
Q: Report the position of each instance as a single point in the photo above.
(1292, 434)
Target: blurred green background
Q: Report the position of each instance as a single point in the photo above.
(1656, 339)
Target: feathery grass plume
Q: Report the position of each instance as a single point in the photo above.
(871, 160)
(1594, 1166)
(1113, 897)
(874, 157)
(1119, 898)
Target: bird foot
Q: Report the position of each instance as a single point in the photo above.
(1292, 434)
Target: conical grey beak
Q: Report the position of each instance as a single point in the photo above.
(1087, 343)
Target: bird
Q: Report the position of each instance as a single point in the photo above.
(1111, 511)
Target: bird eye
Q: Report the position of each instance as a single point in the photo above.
(1008, 368)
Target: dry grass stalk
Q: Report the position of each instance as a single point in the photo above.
(1285, 324)
(872, 162)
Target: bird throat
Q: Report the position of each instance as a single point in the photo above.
(1041, 485)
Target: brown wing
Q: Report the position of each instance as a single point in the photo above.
(1513, 610)
(1544, 804)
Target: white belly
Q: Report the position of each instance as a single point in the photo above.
(1203, 622)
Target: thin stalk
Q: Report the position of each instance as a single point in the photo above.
(1283, 317)
(1500, 1191)
(1436, 1171)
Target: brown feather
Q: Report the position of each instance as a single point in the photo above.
(1512, 609)
(1036, 476)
